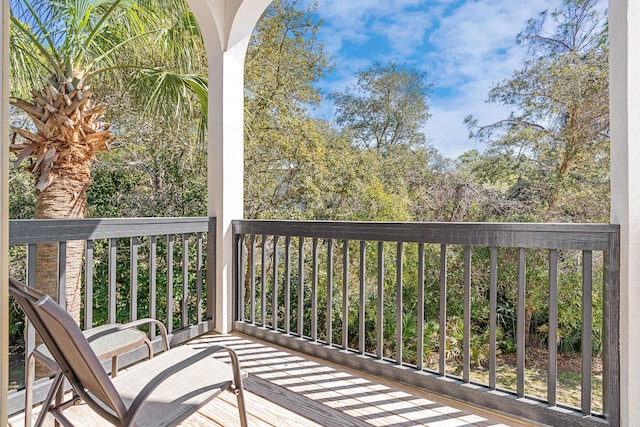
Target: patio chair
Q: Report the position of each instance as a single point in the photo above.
(162, 391)
(107, 342)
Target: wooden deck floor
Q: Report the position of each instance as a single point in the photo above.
(288, 389)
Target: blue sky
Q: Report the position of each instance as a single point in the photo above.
(465, 46)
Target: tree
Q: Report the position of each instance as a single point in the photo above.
(158, 169)
(385, 108)
(553, 150)
(551, 156)
(284, 145)
(59, 49)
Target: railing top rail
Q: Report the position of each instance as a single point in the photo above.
(520, 235)
(54, 230)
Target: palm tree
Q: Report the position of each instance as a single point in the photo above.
(59, 49)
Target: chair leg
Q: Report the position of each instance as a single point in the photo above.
(239, 391)
(237, 387)
(30, 373)
(149, 348)
(53, 392)
(114, 366)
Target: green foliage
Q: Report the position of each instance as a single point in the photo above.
(386, 108)
(155, 170)
(552, 152)
(151, 49)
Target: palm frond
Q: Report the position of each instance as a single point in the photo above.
(168, 93)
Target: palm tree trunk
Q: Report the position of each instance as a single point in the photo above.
(65, 198)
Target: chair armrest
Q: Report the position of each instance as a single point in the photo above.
(169, 372)
(160, 325)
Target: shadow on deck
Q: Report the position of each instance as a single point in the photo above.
(285, 388)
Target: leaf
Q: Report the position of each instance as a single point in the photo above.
(45, 182)
(46, 178)
(28, 135)
(26, 152)
(30, 109)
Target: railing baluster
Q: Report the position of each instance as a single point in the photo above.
(274, 308)
(252, 279)
(466, 345)
(420, 317)
(240, 305)
(169, 307)
(88, 285)
(587, 329)
(301, 287)
(112, 280)
(399, 338)
(520, 334)
(133, 279)
(314, 291)
(30, 336)
(211, 250)
(199, 280)
(62, 274)
(31, 265)
(493, 315)
(361, 297)
(185, 280)
(153, 269)
(263, 282)
(329, 331)
(442, 351)
(345, 295)
(287, 285)
(552, 338)
(380, 314)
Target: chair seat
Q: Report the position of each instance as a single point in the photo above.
(182, 393)
(107, 341)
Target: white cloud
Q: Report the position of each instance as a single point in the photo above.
(466, 47)
(446, 129)
(405, 32)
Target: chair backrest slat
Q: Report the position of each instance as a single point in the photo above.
(69, 348)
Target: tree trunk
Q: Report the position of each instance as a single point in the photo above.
(65, 198)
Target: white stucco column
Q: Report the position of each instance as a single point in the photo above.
(4, 210)
(226, 27)
(624, 78)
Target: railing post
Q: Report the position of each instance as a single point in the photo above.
(611, 380)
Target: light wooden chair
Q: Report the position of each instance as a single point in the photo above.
(162, 391)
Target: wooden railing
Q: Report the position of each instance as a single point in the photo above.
(140, 267)
(396, 299)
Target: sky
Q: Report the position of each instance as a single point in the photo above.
(465, 46)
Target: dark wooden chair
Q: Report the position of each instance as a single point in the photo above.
(162, 391)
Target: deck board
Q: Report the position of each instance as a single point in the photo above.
(285, 388)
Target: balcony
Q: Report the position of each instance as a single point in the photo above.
(351, 295)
